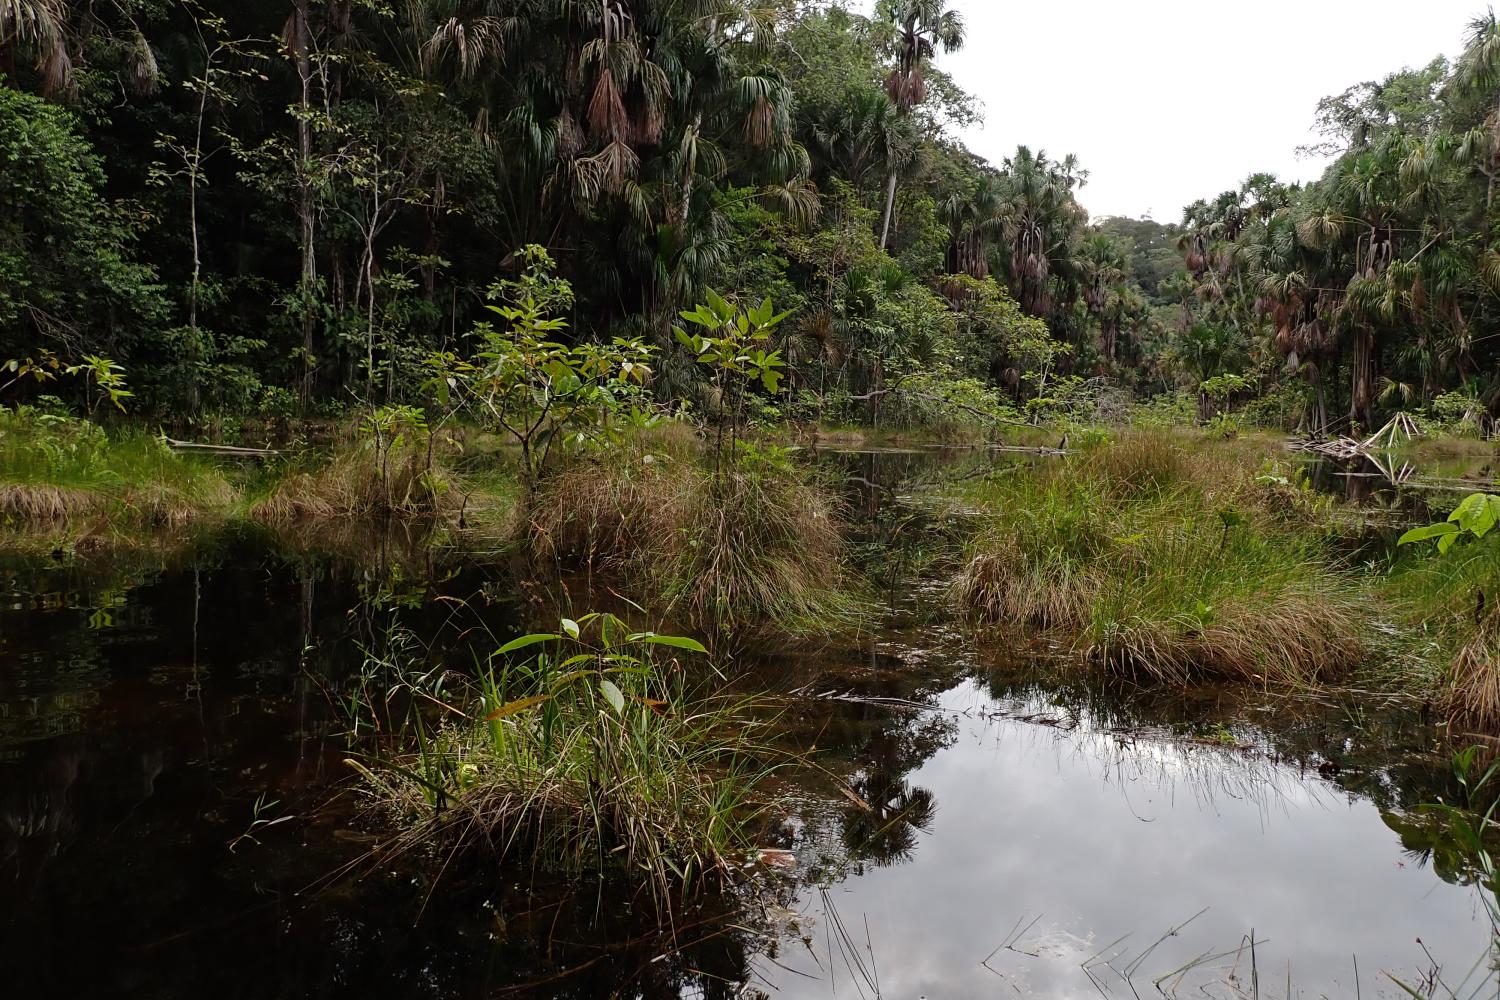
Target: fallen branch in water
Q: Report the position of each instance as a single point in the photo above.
(221, 449)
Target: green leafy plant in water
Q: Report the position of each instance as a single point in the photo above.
(537, 388)
(260, 820)
(1470, 824)
(1472, 519)
(731, 341)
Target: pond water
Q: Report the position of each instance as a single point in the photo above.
(175, 815)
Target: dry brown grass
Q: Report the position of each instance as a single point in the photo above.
(609, 516)
(1471, 697)
(48, 504)
(1002, 583)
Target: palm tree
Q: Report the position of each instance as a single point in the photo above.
(865, 135)
(39, 28)
(1102, 269)
(921, 28)
(974, 219)
(1478, 72)
(1041, 221)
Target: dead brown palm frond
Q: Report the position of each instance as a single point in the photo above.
(759, 122)
(143, 74)
(468, 43)
(654, 95)
(56, 71)
(41, 23)
(606, 113)
(612, 166)
(570, 137)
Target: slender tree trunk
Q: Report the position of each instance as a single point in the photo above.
(301, 52)
(194, 352)
(369, 280)
(890, 205)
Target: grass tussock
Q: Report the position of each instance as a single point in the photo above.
(759, 542)
(1153, 564)
(21, 502)
(592, 758)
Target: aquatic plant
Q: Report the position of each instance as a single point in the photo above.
(1446, 601)
(589, 753)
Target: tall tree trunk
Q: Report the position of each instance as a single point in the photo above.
(301, 39)
(1362, 389)
(890, 205)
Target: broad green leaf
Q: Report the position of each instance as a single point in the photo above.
(570, 627)
(525, 641)
(675, 641)
(613, 696)
(1428, 531)
(717, 303)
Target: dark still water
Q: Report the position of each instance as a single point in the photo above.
(177, 821)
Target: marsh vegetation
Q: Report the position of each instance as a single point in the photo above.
(602, 499)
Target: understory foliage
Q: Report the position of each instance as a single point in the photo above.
(586, 750)
(1162, 563)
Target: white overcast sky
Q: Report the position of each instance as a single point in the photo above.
(1165, 101)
